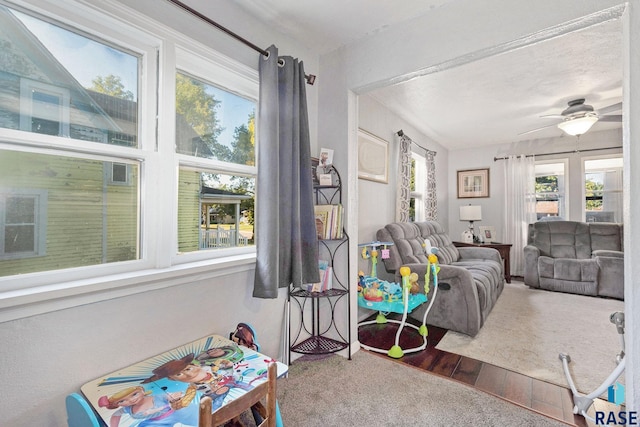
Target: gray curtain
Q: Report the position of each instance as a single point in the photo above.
(287, 246)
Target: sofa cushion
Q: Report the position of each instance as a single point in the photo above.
(606, 236)
(447, 252)
(562, 239)
(488, 277)
(409, 239)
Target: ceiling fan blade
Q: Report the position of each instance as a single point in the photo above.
(552, 116)
(610, 108)
(538, 129)
(616, 118)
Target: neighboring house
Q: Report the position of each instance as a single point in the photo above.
(39, 95)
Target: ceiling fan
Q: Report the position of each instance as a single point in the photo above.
(578, 117)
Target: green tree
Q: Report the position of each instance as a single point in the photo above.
(547, 184)
(593, 190)
(243, 144)
(198, 109)
(111, 85)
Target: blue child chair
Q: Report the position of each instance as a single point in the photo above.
(79, 412)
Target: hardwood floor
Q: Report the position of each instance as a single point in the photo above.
(539, 396)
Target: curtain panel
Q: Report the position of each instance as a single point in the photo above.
(286, 241)
(404, 180)
(520, 206)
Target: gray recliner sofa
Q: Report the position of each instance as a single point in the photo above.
(470, 280)
(584, 258)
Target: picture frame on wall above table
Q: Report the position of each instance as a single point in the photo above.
(487, 233)
(473, 183)
(373, 157)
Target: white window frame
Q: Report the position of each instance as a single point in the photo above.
(162, 50)
(27, 89)
(215, 69)
(584, 171)
(566, 200)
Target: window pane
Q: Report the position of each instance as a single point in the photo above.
(603, 190)
(19, 238)
(83, 218)
(20, 210)
(213, 123)
(58, 82)
(550, 190)
(214, 211)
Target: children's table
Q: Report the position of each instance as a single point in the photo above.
(165, 390)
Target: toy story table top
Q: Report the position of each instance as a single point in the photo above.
(165, 390)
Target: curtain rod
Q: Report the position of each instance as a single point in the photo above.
(310, 78)
(495, 159)
(401, 133)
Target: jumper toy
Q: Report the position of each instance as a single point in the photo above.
(389, 297)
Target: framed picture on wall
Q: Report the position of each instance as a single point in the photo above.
(473, 183)
(373, 157)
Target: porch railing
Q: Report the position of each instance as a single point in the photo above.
(221, 238)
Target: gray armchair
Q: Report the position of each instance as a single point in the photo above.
(576, 257)
(471, 278)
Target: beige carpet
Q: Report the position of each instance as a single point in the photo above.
(373, 391)
(528, 328)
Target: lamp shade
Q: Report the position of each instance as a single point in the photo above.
(577, 126)
(471, 213)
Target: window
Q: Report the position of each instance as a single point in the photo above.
(418, 179)
(66, 83)
(83, 220)
(603, 189)
(123, 146)
(215, 198)
(551, 192)
(22, 223)
(119, 173)
(44, 108)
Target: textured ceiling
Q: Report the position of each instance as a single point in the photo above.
(489, 101)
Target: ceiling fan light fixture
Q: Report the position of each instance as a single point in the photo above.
(577, 126)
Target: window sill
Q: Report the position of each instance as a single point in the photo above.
(22, 303)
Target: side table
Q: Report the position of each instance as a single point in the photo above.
(503, 248)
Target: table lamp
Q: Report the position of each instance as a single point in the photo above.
(471, 213)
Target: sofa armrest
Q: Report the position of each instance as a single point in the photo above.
(606, 253)
(610, 276)
(468, 252)
(456, 305)
(531, 255)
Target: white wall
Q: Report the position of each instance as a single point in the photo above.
(493, 207)
(377, 201)
(47, 356)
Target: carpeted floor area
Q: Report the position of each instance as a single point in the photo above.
(528, 328)
(373, 391)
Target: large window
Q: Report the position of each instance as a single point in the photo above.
(551, 190)
(603, 189)
(127, 153)
(216, 126)
(63, 210)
